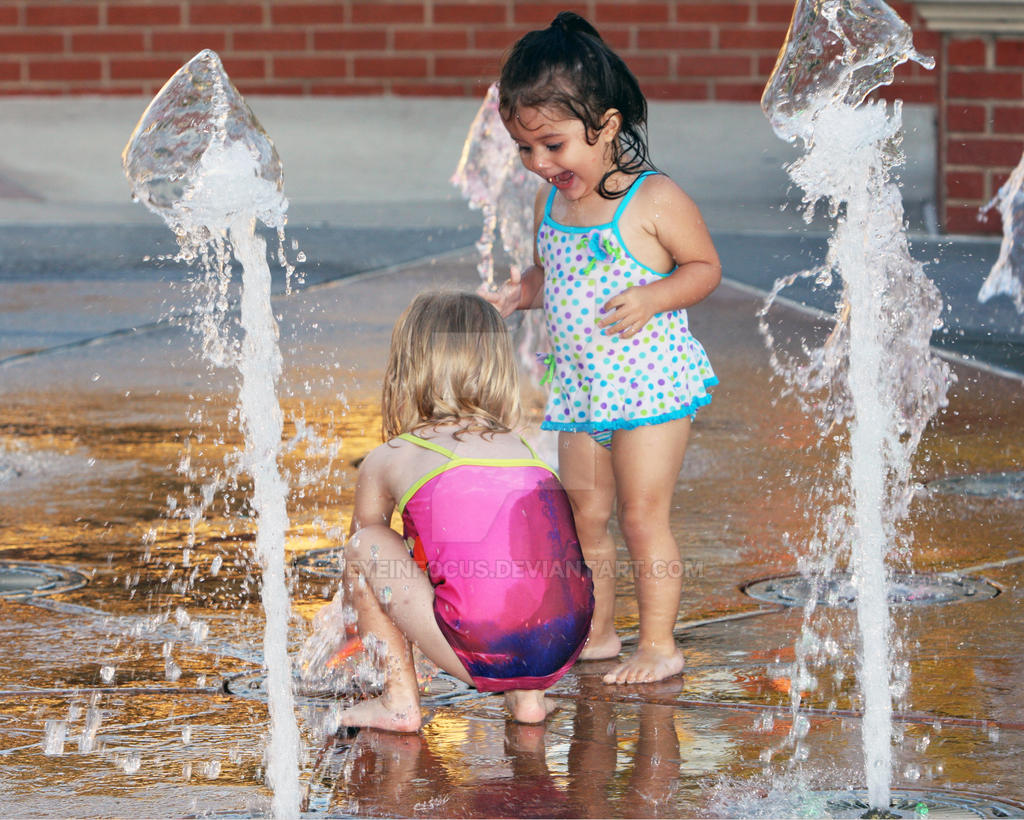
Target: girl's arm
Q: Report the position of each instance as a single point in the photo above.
(669, 218)
(526, 290)
(374, 502)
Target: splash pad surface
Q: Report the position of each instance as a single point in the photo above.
(134, 667)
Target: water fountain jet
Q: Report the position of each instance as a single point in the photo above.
(493, 180)
(881, 379)
(199, 158)
(1007, 274)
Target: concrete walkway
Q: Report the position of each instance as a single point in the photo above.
(368, 180)
(385, 161)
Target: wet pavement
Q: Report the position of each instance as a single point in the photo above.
(138, 694)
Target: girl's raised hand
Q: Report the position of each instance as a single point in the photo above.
(508, 295)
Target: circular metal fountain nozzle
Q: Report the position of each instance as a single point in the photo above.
(934, 805)
(440, 688)
(23, 579)
(918, 588)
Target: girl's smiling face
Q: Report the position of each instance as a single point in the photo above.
(556, 149)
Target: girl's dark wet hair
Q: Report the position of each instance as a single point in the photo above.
(568, 67)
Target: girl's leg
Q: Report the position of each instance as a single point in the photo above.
(585, 470)
(647, 461)
(378, 565)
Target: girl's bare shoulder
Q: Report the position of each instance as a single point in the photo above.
(662, 208)
(389, 468)
(384, 456)
(659, 191)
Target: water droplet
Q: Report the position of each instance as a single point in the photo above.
(107, 674)
(87, 740)
(54, 735)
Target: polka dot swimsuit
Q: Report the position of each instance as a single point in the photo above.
(600, 382)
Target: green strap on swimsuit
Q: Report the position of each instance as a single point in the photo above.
(455, 461)
(437, 448)
(430, 445)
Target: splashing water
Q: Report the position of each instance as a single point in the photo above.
(1007, 274)
(494, 181)
(199, 158)
(481, 173)
(876, 374)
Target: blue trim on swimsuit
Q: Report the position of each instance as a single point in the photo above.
(614, 224)
(689, 410)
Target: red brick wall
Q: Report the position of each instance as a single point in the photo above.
(680, 49)
(981, 125)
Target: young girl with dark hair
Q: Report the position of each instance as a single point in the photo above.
(621, 252)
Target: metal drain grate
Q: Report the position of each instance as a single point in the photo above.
(911, 803)
(985, 485)
(439, 688)
(22, 579)
(909, 588)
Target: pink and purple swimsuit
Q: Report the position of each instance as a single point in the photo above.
(512, 593)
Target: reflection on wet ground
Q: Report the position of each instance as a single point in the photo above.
(122, 697)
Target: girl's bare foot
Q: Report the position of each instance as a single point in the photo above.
(601, 647)
(378, 714)
(528, 705)
(647, 665)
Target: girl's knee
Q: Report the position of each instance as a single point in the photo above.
(590, 514)
(642, 519)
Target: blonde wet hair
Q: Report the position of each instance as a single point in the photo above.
(450, 361)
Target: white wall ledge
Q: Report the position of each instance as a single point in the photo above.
(973, 16)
